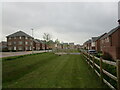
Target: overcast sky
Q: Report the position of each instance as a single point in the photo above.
(68, 21)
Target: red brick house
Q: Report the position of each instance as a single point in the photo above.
(93, 43)
(87, 45)
(111, 43)
(97, 42)
(36, 45)
(3, 46)
(19, 41)
(41, 44)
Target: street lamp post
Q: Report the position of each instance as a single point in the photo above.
(32, 40)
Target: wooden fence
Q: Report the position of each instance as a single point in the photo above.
(91, 61)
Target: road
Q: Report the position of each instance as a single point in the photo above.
(8, 54)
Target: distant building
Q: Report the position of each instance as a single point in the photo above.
(87, 44)
(98, 46)
(78, 46)
(36, 44)
(65, 46)
(19, 41)
(71, 46)
(41, 44)
(93, 42)
(3, 46)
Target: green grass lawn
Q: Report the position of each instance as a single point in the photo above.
(48, 70)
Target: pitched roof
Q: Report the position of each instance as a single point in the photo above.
(36, 41)
(111, 32)
(19, 33)
(101, 36)
(39, 40)
(94, 38)
(88, 41)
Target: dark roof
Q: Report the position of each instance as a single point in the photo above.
(39, 40)
(104, 36)
(94, 38)
(65, 43)
(89, 41)
(101, 36)
(111, 32)
(36, 41)
(19, 33)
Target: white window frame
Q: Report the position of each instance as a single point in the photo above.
(9, 38)
(14, 47)
(20, 37)
(26, 37)
(26, 43)
(26, 48)
(14, 37)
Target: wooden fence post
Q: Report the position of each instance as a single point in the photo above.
(101, 71)
(93, 59)
(88, 58)
(118, 74)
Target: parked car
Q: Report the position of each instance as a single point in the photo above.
(92, 52)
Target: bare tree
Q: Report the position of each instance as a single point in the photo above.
(47, 37)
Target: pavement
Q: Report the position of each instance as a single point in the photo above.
(8, 54)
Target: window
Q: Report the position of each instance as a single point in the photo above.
(14, 48)
(14, 37)
(26, 37)
(107, 39)
(9, 38)
(19, 48)
(26, 48)
(26, 43)
(30, 48)
(20, 42)
(93, 44)
(14, 43)
(30, 38)
(20, 37)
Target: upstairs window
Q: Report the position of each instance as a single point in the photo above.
(14, 37)
(26, 43)
(26, 37)
(9, 38)
(20, 37)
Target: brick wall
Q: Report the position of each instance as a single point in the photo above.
(21, 44)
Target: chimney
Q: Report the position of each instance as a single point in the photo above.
(119, 21)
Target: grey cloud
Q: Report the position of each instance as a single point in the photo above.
(66, 21)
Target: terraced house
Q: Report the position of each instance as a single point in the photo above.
(19, 41)
(111, 43)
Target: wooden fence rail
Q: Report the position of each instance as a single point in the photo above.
(91, 61)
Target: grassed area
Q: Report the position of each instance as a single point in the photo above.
(48, 70)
